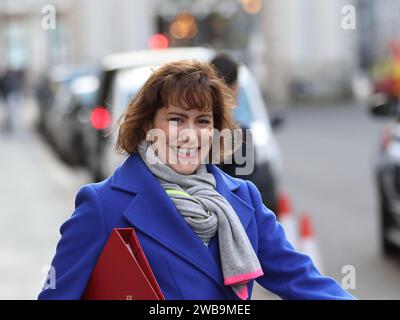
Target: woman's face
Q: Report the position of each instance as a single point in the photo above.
(187, 137)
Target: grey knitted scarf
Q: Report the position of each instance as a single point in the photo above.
(207, 212)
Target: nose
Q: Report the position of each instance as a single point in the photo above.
(190, 133)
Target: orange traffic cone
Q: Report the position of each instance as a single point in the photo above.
(307, 241)
(286, 218)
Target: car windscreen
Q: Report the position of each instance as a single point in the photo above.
(85, 89)
(243, 113)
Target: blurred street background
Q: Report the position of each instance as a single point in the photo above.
(314, 78)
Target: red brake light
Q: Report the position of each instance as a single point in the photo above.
(100, 118)
(158, 41)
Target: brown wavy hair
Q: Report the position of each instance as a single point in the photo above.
(186, 84)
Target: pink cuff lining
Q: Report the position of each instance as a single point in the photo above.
(243, 277)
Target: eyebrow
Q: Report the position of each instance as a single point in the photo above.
(184, 115)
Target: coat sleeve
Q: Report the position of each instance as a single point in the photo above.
(83, 236)
(288, 273)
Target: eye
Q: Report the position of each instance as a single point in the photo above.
(204, 121)
(174, 119)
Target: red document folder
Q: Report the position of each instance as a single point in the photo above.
(122, 272)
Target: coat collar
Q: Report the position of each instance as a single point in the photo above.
(153, 213)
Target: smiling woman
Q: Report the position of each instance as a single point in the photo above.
(205, 234)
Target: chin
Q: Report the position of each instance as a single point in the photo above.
(185, 168)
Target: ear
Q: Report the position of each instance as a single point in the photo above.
(149, 135)
(146, 129)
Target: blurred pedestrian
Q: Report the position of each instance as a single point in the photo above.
(12, 90)
(228, 70)
(2, 92)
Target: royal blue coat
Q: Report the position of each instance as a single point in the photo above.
(183, 266)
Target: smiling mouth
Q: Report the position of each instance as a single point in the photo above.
(186, 152)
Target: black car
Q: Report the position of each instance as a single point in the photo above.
(388, 172)
(67, 98)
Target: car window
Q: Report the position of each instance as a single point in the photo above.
(251, 100)
(243, 113)
(88, 99)
(128, 95)
(85, 90)
(62, 97)
(127, 84)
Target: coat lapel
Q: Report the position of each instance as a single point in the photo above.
(153, 213)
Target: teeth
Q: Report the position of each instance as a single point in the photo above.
(187, 152)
